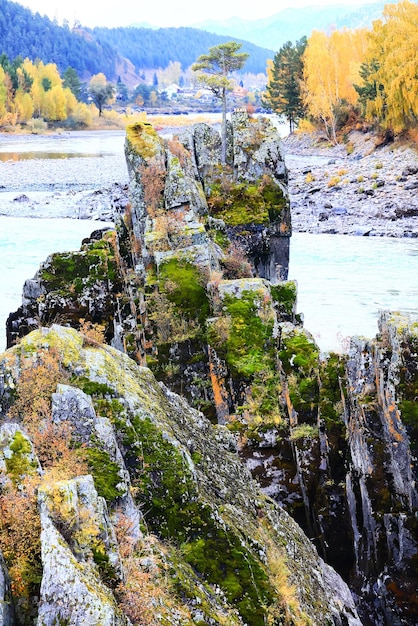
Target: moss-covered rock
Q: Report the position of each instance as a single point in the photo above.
(195, 494)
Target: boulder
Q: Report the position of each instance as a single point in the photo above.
(75, 527)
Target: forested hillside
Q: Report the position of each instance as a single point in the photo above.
(25, 34)
(148, 48)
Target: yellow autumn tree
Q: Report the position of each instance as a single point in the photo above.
(24, 106)
(50, 99)
(331, 68)
(393, 56)
(3, 94)
(7, 105)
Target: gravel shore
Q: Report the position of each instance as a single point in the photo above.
(71, 182)
(354, 188)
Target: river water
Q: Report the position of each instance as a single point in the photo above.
(343, 282)
(24, 244)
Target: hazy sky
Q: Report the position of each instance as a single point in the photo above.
(165, 12)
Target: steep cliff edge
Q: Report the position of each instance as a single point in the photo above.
(165, 527)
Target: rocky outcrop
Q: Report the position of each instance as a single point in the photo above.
(232, 553)
(332, 439)
(381, 480)
(72, 288)
(6, 602)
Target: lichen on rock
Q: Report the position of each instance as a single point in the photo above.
(194, 493)
(198, 262)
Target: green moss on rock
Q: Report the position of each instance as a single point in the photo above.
(20, 463)
(175, 512)
(71, 272)
(284, 296)
(105, 473)
(249, 347)
(237, 203)
(186, 289)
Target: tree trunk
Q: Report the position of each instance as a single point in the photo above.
(223, 127)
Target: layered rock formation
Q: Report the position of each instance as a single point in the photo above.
(198, 543)
(193, 285)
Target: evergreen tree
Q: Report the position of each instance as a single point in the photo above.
(142, 94)
(46, 83)
(214, 71)
(284, 90)
(72, 81)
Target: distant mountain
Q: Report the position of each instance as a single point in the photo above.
(292, 24)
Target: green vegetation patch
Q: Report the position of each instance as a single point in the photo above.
(299, 353)
(105, 473)
(408, 390)
(173, 510)
(284, 296)
(71, 272)
(240, 203)
(249, 345)
(183, 284)
(177, 303)
(106, 570)
(332, 375)
(91, 387)
(219, 237)
(19, 463)
(300, 360)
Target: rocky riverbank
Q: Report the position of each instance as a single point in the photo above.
(79, 175)
(354, 188)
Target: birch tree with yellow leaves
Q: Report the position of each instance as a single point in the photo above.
(331, 67)
(392, 58)
(33, 89)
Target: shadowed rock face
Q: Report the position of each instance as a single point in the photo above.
(196, 295)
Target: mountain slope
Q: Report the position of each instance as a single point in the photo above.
(30, 35)
(90, 51)
(148, 48)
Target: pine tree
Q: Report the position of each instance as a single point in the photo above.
(284, 90)
(72, 81)
(214, 71)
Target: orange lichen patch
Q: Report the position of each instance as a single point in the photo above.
(293, 418)
(393, 419)
(220, 394)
